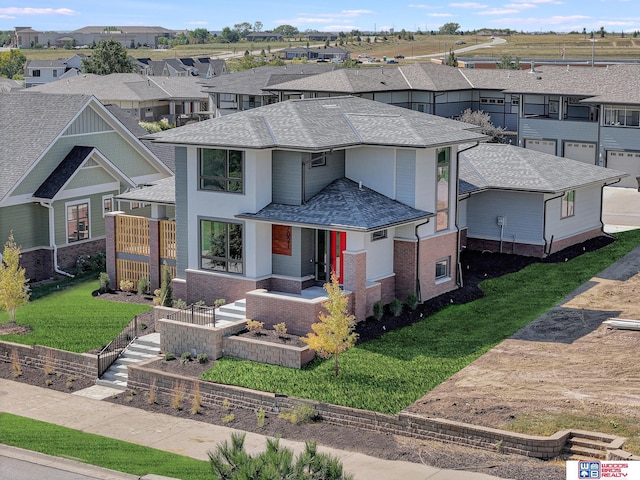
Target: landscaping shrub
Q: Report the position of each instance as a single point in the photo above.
(396, 307)
(104, 282)
(143, 286)
(255, 326)
(378, 310)
(412, 301)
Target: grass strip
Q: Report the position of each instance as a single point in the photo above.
(93, 449)
(72, 319)
(389, 373)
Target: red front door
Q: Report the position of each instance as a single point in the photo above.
(338, 244)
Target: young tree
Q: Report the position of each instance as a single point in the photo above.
(12, 63)
(166, 290)
(200, 35)
(333, 334)
(452, 61)
(449, 28)
(109, 56)
(483, 120)
(14, 291)
(508, 63)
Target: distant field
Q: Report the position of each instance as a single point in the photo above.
(524, 46)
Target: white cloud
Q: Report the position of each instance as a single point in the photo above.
(467, 5)
(497, 11)
(443, 15)
(421, 6)
(520, 6)
(324, 18)
(35, 11)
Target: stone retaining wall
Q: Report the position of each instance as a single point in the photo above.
(141, 377)
(179, 337)
(60, 361)
(267, 352)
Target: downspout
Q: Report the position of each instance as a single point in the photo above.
(52, 239)
(418, 292)
(459, 280)
(544, 223)
(601, 206)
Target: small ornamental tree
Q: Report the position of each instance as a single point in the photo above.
(14, 291)
(166, 290)
(333, 334)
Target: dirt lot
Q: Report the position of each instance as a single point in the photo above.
(567, 361)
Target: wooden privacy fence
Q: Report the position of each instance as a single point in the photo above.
(142, 246)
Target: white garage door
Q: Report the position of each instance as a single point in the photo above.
(584, 152)
(627, 162)
(544, 146)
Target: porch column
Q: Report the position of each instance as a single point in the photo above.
(155, 266)
(110, 249)
(355, 280)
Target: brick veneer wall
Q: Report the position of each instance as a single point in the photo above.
(267, 352)
(374, 293)
(525, 249)
(67, 363)
(388, 288)
(38, 264)
(579, 238)
(432, 249)
(298, 313)
(405, 259)
(142, 376)
(210, 287)
(68, 255)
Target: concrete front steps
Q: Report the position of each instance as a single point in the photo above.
(582, 445)
(231, 313)
(142, 348)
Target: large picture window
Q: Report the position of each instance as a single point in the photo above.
(221, 170)
(442, 188)
(221, 246)
(77, 222)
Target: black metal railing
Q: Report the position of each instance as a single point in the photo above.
(111, 352)
(196, 314)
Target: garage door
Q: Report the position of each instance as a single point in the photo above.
(544, 146)
(584, 152)
(627, 162)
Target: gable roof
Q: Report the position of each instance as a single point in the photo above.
(161, 192)
(25, 135)
(507, 167)
(322, 124)
(343, 205)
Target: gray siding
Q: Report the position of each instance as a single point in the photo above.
(307, 249)
(288, 265)
(286, 178)
(182, 230)
(523, 212)
(587, 215)
(620, 138)
(88, 122)
(406, 177)
(29, 223)
(316, 178)
(558, 130)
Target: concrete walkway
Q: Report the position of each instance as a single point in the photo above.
(182, 436)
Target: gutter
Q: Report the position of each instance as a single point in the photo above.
(544, 223)
(52, 239)
(601, 206)
(418, 292)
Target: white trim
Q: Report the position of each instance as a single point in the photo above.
(113, 203)
(85, 191)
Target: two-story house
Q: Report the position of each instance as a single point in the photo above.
(270, 201)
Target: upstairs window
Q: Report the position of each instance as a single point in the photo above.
(221, 170)
(35, 73)
(442, 188)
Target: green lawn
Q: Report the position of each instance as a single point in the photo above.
(389, 373)
(96, 450)
(72, 319)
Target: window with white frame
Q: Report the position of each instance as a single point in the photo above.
(622, 116)
(443, 268)
(77, 221)
(221, 246)
(107, 204)
(442, 188)
(379, 235)
(568, 204)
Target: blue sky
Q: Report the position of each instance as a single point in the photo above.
(327, 15)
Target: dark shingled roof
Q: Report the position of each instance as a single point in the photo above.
(343, 205)
(507, 167)
(63, 172)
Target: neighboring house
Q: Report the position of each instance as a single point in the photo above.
(521, 201)
(270, 201)
(334, 54)
(147, 98)
(8, 85)
(249, 89)
(321, 36)
(38, 72)
(64, 159)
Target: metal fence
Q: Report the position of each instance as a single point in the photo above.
(111, 352)
(196, 314)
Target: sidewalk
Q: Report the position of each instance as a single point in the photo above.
(183, 436)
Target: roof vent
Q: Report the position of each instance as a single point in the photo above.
(533, 67)
(567, 68)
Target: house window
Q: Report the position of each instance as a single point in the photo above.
(379, 235)
(107, 204)
(443, 268)
(442, 189)
(221, 170)
(35, 73)
(318, 159)
(221, 246)
(568, 204)
(77, 222)
(55, 73)
(515, 100)
(622, 116)
(491, 101)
